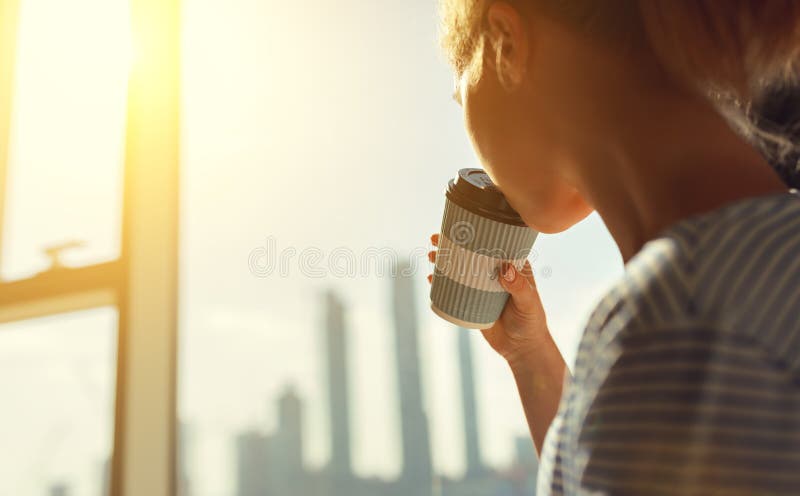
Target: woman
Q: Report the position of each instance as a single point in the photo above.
(687, 379)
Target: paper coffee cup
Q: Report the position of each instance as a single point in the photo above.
(479, 232)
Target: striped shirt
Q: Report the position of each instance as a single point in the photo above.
(687, 378)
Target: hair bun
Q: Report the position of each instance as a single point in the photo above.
(776, 113)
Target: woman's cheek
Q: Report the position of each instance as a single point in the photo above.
(486, 134)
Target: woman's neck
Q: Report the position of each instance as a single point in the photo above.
(664, 161)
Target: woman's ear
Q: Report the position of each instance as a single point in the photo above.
(506, 47)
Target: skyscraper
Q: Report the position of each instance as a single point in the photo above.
(336, 346)
(290, 433)
(59, 490)
(272, 464)
(527, 462)
(252, 464)
(474, 463)
(413, 421)
(288, 476)
(525, 452)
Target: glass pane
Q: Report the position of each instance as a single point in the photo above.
(66, 141)
(319, 136)
(57, 378)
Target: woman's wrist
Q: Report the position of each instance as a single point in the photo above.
(522, 360)
(535, 356)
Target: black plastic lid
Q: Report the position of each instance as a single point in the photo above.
(473, 190)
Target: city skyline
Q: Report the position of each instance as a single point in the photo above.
(271, 463)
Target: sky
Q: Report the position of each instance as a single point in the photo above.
(323, 126)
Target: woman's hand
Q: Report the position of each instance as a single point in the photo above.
(521, 331)
(520, 335)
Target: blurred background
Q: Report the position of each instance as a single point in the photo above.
(312, 143)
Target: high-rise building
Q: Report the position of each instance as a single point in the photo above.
(289, 438)
(286, 455)
(413, 421)
(526, 452)
(527, 463)
(272, 464)
(252, 463)
(58, 490)
(338, 391)
(475, 465)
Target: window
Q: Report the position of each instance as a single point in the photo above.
(69, 86)
(314, 139)
(318, 138)
(57, 380)
(61, 129)
(66, 141)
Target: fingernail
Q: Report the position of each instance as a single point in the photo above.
(509, 274)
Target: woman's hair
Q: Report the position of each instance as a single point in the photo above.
(775, 120)
(734, 51)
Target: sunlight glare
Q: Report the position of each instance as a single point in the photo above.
(66, 143)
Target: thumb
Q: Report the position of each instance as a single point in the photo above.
(523, 293)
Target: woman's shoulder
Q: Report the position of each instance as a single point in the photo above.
(700, 335)
(735, 271)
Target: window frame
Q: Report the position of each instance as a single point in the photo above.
(143, 283)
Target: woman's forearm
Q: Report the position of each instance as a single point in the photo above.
(540, 379)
